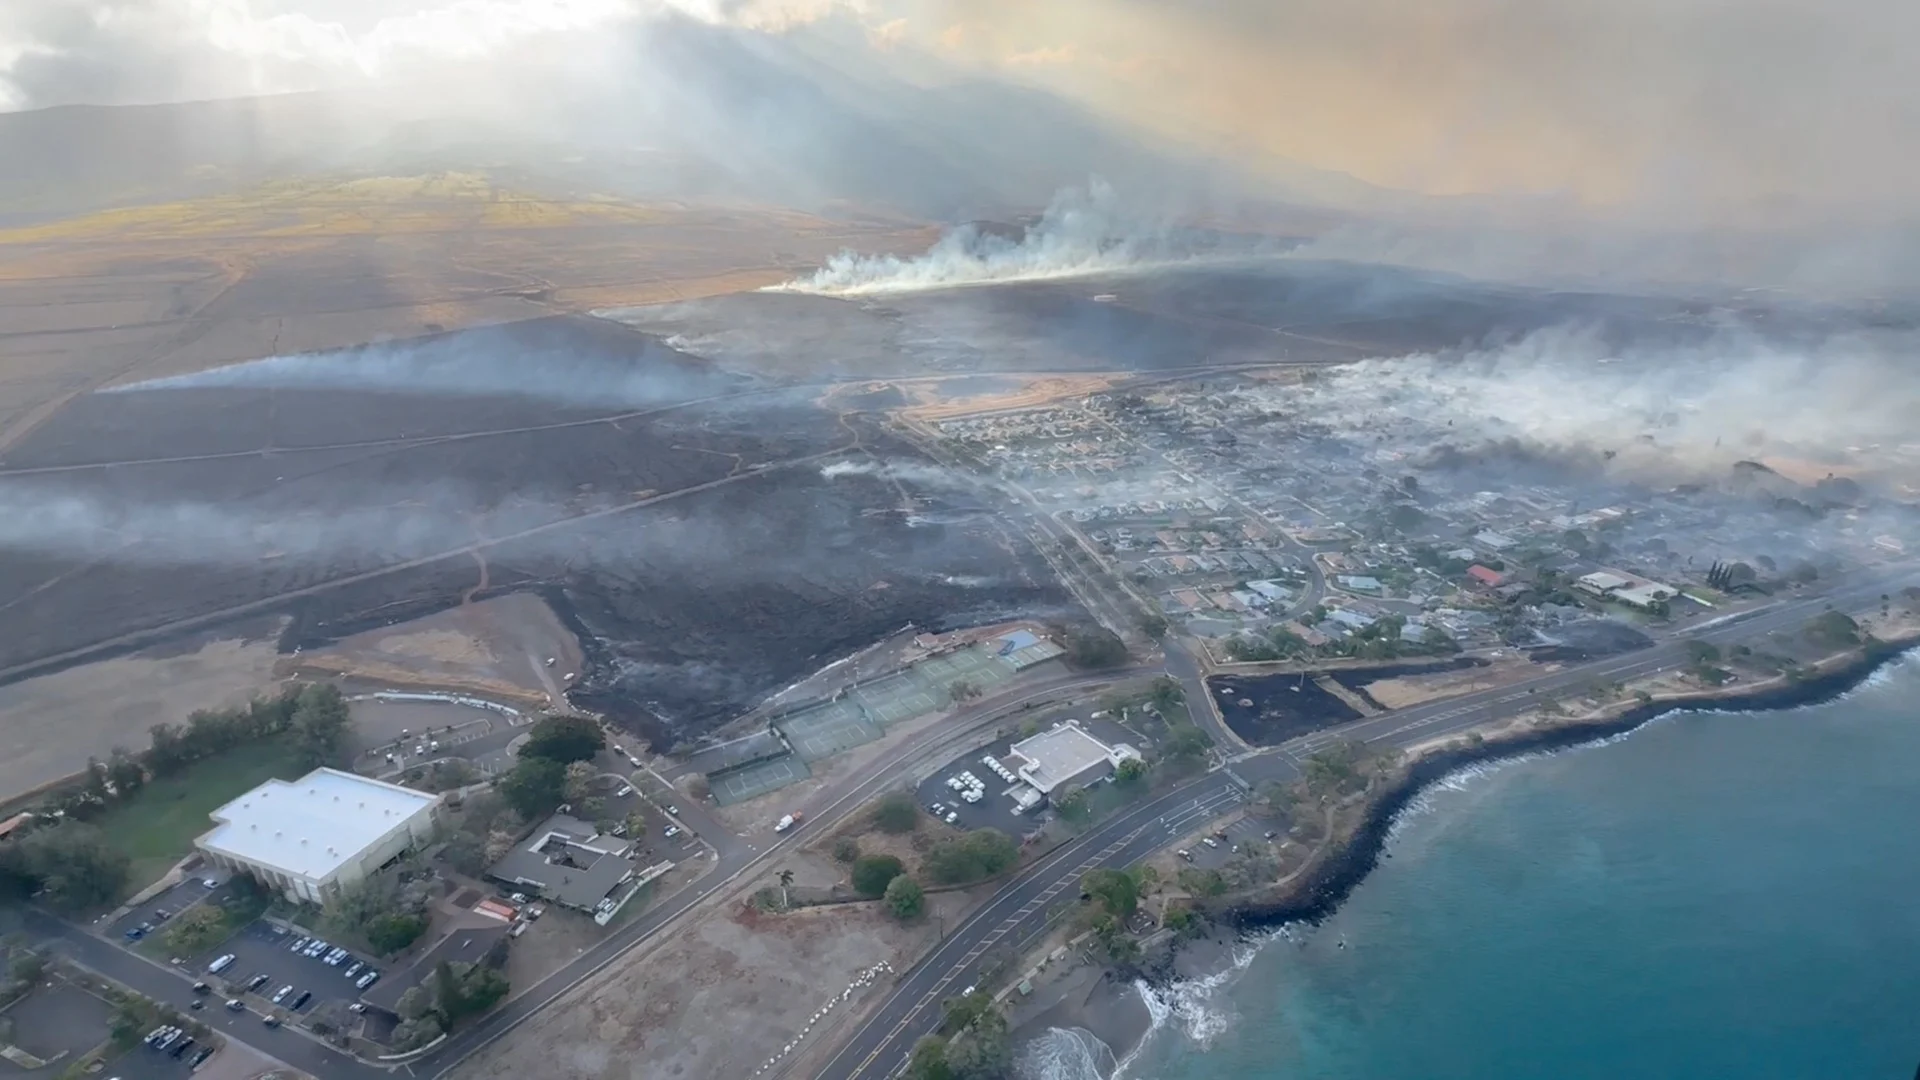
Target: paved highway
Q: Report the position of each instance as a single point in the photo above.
(881, 1045)
(735, 856)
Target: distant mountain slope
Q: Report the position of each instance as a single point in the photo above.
(798, 119)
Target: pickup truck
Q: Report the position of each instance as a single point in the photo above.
(786, 822)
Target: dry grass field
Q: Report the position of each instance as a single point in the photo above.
(306, 265)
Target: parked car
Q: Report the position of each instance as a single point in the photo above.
(305, 996)
(280, 995)
(258, 981)
(367, 980)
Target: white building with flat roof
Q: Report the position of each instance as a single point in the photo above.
(1065, 754)
(311, 837)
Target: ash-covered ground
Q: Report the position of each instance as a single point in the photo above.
(714, 536)
(678, 480)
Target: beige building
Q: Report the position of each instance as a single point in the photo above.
(311, 837)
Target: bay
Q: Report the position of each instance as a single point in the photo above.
(1716, 895)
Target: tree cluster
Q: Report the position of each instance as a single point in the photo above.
(1094, 647)
(539, 781)
(70, 866)
(388, 910)
(973, 1043)
(980, 853)
(452, 994)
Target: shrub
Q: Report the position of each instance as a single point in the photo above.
(846, 849)
(897, 812)
(905, 899)
(873, 873)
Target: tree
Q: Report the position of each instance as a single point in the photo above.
(395, 930)
(577, 781)
(564, 739)
(929, 1060)
(897, 812)
(466, 852)
(320, 721)
(196, 930)
(1834, 628)
(905, 899)
(1095, 647)
(1114, 890)
(1702, 652)
(449, 1000)
(124, 772)
(72, 865)
(980, 853)
(1166, 693)
(963, 690)
(983, 1049)
(872, 874)
(786, 882)
(1154, 626)
(534, 786)
(1131, 774)
(1072, 804)
(415, 1003)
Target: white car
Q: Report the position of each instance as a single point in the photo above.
(952, 817)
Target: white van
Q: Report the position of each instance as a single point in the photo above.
(221, 964)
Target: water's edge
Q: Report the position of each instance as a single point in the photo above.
(1255, 920)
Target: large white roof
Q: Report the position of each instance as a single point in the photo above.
(312, 826)
(1059, 754)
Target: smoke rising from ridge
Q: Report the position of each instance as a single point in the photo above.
(1082, 232)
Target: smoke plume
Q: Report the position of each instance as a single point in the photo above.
(471, 365)
(1083, 231)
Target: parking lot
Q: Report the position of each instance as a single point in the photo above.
(995, 810)
(650, 837)
(174, 901)
(264, 949)
(1242, 830)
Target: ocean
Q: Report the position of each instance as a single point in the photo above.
(1731, 895)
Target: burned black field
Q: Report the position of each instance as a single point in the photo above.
(682, 523)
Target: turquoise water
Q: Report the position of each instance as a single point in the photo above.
(1715, 896)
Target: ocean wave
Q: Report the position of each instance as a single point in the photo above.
(1065, 1054)
(1199, 1009)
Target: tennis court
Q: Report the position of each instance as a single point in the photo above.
(756, 780)
(830, 729)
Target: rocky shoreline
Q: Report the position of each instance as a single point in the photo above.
(1326, 884)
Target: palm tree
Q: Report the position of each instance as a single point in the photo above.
(786, 882)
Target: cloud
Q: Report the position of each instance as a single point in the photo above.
(1765, 115)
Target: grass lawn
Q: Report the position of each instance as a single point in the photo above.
(157, 826)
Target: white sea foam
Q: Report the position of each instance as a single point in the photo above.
(1200, 1009)
(1065, 1054)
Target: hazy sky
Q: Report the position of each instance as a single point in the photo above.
(1716, 107)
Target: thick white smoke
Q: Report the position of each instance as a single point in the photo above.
(41, 519)
(1084, 231)
(463, 367)
(1704, 406)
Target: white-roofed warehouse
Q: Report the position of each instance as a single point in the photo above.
(311, 837)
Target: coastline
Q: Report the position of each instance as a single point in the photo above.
(1319, 889)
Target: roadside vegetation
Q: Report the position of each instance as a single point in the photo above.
(973, 1043)
(444, 1000)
